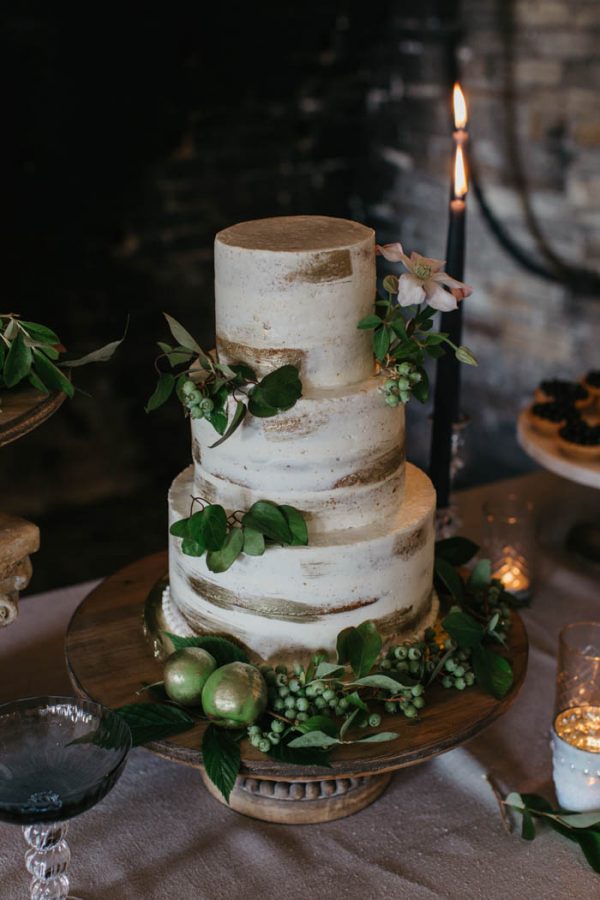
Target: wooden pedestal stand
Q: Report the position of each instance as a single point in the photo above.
(109, 657)
(21, 411)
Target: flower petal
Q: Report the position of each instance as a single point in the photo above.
(435, 265)
(410, 290)
(393, 253)
(438, 298)
(459, 288)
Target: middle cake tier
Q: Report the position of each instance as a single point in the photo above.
(337, 455)
(301, 597)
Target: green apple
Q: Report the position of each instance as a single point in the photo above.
(235, 695)
(185, 674)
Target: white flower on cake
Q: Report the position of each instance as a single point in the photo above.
(424, 280)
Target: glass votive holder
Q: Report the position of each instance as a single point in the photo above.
(576, 730)
(509, 542)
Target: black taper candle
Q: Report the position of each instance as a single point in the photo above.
(446, 407)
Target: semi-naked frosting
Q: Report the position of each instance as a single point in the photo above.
(291, 290)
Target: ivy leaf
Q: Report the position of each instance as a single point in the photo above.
(195, 530)
(314, 739)
(318, 723)
(192, 548)
(360, 647)
(381, 342)
(50, 374)
(369, 322)
(481, 575)
(221, 758)
(492, 671)
(221, 560)
(254, 542)
(463, 629)
(300, 756)
(450, 578)
(243, 372)
(377, 737)
(236, 421)
(18, 361)
(277, 391)
(162, 391)
(153, 721)
(456, 550)
(297, 526)
(257, 406)
(180, 528)
(224, 651)
(213, 527)
(381, 681)
(218, 420)
(40, 333)
(267, 518)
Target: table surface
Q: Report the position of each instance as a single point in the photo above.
(436, 832)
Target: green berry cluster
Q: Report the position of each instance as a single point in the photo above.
(264, 740)
(400, 383)
(195, 401)
(457, 671)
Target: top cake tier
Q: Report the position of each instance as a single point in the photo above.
(292, 290)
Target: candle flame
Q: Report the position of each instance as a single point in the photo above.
(460, 106)
(460, 174)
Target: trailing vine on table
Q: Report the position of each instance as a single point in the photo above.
(203, 385)
(307, 711)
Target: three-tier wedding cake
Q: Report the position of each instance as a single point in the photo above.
(291, 290)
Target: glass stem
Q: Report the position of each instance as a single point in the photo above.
(47, 860)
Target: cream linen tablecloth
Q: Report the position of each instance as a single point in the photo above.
(436, 832)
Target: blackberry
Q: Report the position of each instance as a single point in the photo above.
(556, 411)
(563, 390)
(580, 432)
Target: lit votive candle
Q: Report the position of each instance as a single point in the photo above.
(576, 758)
(514, 577)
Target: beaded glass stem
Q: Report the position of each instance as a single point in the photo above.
(47, 860)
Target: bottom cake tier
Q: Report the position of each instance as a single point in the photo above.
(293, 601)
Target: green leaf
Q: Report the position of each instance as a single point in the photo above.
(18, 361)
(464, 355)
(40, 333)
(456, 550)
(438, 338)
(463, 629)
(267, 518)
(435, 352)
(153, 721)
(36, 382)
(224, 651)
(236, 421)
(221, 758)
(450, 578)
(356, 700)
(49, 351)
(301, 757)
(381, 342)
(581, 819)
(527, 826)
(377, 737)
(314, 739)
(162, 391)
(213, 527)
(492, 671)
(180, 528)
(221, 560)
(384, 682)
(254, 542)
(50, 374)
(359, 647)
(257, 406)
(347, 723)
(329, 670)
(103, 354)
(218, 420)
(369, 322)
(244, 373)
(589, 841)
(481, 575)
(279, 390)
(318, 723)
(195, 529)
(185, 339)
(514, 800)
(421, 390)
(192, 548)
(399, 327)
(297, 525)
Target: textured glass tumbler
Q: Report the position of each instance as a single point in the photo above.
(576, 732)
(509, 542)
(58, 757)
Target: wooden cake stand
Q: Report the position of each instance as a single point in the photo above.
(109, 657)
(21, 411)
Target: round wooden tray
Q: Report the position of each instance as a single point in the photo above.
(108, 658)
(23, 409)
(545, 450)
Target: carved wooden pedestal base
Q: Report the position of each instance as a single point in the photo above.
(18, 538)
(301, 802)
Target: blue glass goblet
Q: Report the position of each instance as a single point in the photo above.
(59, 756)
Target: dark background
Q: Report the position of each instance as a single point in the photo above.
(133, 133)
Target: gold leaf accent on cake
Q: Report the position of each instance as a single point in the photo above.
(196, 452)
(262, 358)
(394, 624)
(376, 471)
(408, 544)
(294, 425)
(332, 265)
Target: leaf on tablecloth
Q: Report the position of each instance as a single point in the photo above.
(153, 721)
(221, 758)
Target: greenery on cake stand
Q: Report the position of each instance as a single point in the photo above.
(204, 385)
(313, 709)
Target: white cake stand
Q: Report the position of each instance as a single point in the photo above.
(583, 538)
